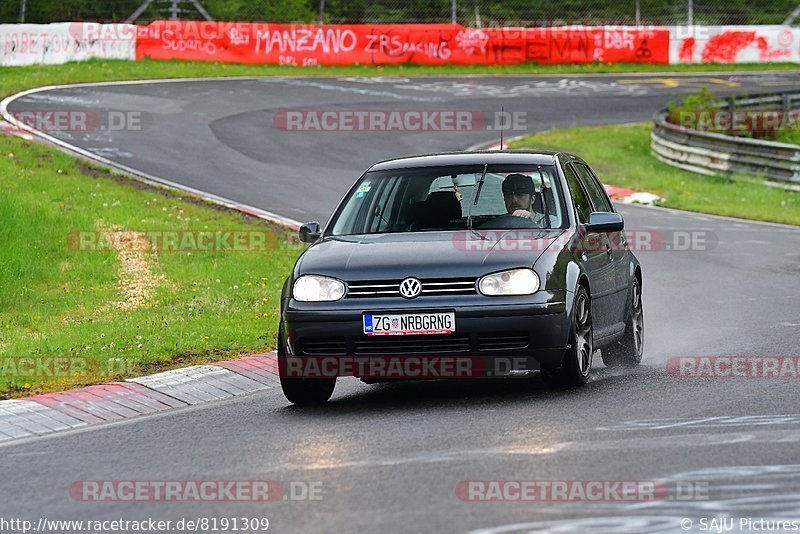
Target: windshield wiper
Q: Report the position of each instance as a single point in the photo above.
(379, 213)
(477, 196)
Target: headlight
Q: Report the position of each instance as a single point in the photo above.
(513, 282)
(310, 288)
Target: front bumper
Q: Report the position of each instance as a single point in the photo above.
(501, 332)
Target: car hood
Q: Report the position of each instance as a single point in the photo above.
(424, 254)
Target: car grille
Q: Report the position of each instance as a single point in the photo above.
(512, 341)
(322, 347)
(430, 288)
(413, 345)
(388, 345)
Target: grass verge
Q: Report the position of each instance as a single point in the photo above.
(88, 316)
(16, 79)
(621, 156)
(790, 136)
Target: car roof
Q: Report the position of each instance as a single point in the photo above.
(491, 157)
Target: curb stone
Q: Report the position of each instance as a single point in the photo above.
(117, 401)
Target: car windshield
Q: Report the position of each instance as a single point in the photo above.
(444, 198)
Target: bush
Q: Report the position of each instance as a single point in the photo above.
(702, 112)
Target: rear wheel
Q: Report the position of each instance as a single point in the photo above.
(302, 390)
(577, 363)
(627, 352)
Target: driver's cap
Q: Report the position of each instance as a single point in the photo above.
(518, 183)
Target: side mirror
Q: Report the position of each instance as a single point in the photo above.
(602, 221)
(310, 232)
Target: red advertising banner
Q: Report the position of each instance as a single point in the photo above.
(428, 44)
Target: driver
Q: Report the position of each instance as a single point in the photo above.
(518, 193)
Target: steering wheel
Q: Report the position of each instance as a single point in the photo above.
(508, 221)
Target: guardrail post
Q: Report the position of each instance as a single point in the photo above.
(731, 109)
(786, 103)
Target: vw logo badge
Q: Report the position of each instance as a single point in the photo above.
(410, 288)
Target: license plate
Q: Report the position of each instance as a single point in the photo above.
(409, 324)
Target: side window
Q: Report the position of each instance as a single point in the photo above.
(598, 197)
(582, 206)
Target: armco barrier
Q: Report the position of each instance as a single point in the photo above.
(719, 154)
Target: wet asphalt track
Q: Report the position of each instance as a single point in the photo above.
(389, 456)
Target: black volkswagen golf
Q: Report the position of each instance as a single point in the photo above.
(492, 260)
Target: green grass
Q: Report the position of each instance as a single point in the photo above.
(56, 301)
(790, 136)
(621, 156)
(16, 79)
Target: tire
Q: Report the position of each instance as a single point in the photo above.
(577, 362)
(627, 351)
(307, 391)
(302, 390)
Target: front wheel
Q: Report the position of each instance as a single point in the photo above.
(307, 390)
(577, 363)
(627, 352)
(302, 390)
